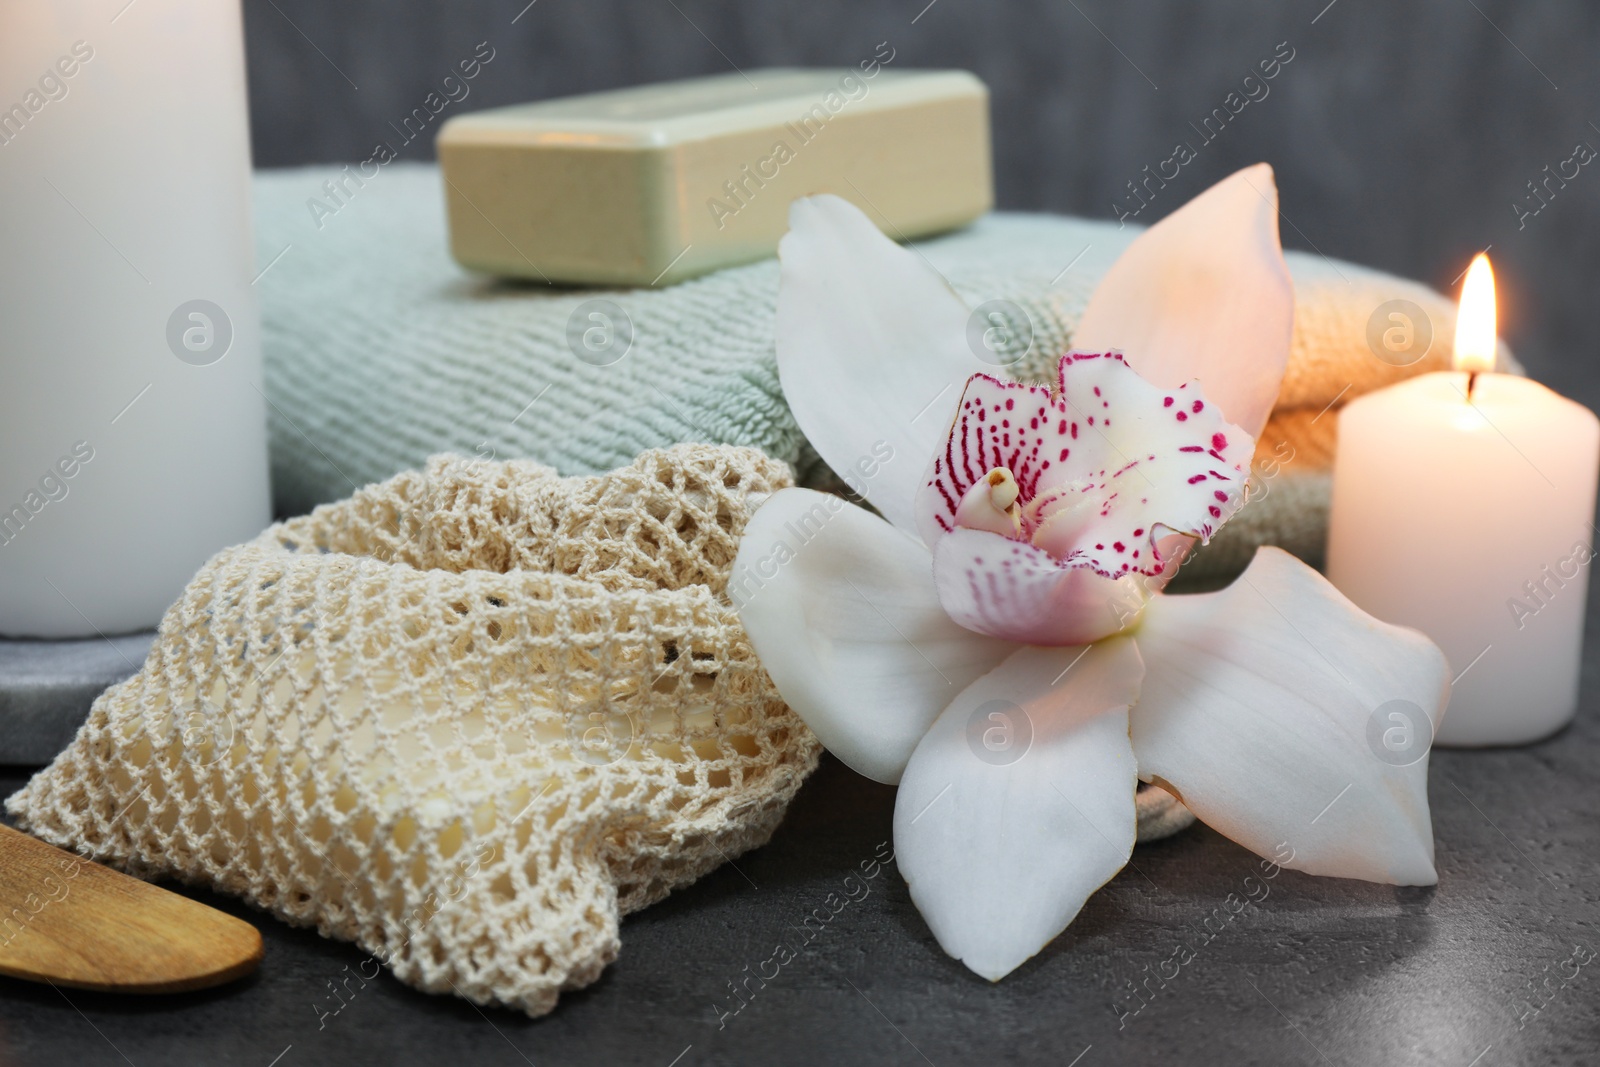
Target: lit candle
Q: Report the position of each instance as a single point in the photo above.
(132, 429)
(1462, 506)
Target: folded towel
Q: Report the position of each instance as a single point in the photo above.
(380, 351)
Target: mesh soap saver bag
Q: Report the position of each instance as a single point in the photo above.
(467, 719)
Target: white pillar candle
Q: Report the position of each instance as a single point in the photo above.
(1462, 506)
(132, 431)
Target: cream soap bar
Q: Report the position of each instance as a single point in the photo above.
(655, 184)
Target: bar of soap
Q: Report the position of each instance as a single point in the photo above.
(659, 183)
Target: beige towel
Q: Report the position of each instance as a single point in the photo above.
(1340, 351)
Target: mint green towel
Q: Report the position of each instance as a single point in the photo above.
(380, 351)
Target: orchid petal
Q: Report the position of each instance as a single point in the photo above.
(1105, 468)
(841, 609)
(872, 351)
(1011, 590)
(1019, 803)
(1204, 293)
(1289, 720)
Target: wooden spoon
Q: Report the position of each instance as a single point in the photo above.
(72, 922)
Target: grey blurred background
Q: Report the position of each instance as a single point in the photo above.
(1402, 133)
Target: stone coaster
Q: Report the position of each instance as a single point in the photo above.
(46, 688)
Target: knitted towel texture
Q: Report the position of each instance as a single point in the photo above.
(466, 719)
(380, 351)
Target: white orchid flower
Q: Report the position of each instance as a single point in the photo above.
(998, 646)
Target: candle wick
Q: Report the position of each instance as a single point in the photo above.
(1472, 381)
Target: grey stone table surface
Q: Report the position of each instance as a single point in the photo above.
(1483, 970)
(46, 688)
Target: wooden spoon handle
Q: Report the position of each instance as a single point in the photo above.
(73, 922)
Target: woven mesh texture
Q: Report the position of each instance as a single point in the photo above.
(467, 719)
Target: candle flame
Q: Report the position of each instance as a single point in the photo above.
(1475, 321)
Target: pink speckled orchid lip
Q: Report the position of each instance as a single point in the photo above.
(1106, 467)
